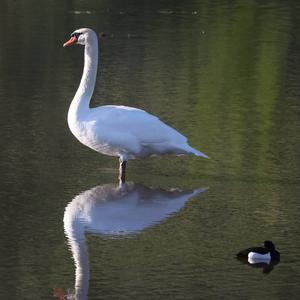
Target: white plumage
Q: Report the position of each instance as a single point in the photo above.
(130, 133)
(254, 257)
(121, 131)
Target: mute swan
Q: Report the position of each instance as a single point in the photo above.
(117, 130)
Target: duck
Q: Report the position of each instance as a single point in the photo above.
(117, 130)
(266, 254)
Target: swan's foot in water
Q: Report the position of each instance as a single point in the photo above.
(122, 169)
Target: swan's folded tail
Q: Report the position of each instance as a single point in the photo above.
(195, 152)
(199, 190)
(198, 153)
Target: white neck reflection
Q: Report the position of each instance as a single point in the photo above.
(116, 211)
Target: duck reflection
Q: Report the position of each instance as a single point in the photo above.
(266, 267)
(115, 211)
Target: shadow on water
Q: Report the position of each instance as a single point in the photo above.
(114, 211)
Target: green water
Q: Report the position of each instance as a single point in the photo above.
(226, 74)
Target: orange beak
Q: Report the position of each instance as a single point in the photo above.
(70, 42)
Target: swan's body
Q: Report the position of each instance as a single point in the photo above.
(121, 131)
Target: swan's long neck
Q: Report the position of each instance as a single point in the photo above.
(81, 100)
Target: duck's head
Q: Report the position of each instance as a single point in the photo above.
(269, 245)
(81, 36)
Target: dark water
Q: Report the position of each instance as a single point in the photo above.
(224, 74)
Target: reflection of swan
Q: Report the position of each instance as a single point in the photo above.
(121, 131)
(115, 211)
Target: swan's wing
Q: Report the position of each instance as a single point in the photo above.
(129, 121)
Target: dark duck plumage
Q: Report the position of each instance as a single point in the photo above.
(268, 252)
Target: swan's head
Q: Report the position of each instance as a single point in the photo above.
(81, 36)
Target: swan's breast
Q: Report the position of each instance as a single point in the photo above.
(99, 138)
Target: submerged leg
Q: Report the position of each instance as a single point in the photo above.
(122, 170)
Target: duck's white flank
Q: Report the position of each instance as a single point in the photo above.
(254, 257)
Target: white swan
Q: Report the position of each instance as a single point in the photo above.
(121, 131)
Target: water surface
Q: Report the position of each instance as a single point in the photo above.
(224, 74)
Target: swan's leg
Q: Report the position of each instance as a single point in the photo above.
(122, 169)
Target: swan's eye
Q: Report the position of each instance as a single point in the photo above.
(76, 35)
